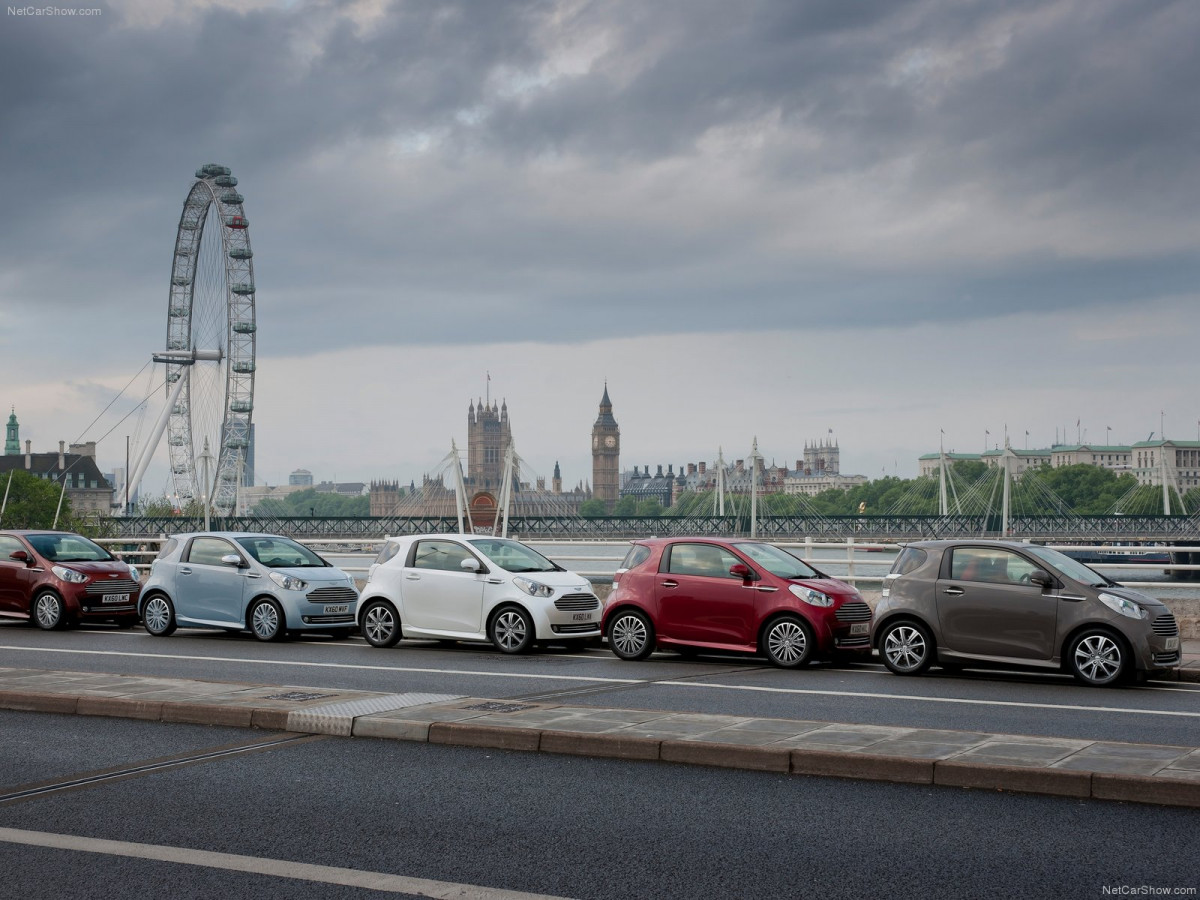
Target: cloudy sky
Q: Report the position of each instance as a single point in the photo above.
(886, 218)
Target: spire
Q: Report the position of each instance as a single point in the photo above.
(606, 416)
(557, 471)
(12, 440)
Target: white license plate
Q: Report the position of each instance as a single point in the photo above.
(115, 598)
(335, 610)
(581, 617)
(860, 628)
(1171, 644)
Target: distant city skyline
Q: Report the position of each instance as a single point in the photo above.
(885, 218)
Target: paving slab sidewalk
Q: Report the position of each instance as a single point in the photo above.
(1141, 773)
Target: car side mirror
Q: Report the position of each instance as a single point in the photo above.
(469, 565)
(1041, 579)
(742, 571)
(232, 559)
(21, 556)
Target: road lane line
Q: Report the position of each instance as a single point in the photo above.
(915, 697)
(320, 665)
(256, 865)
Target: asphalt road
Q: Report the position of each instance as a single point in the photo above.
(562, 826)
(1003, 702)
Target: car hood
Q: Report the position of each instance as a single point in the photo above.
(111, 567)
(568, 581)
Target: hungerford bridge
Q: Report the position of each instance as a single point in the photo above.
(864, 528)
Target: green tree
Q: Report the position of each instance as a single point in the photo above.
(626, 506)
(33, 502)
(650, 507)
(311, 502)
(592, 509)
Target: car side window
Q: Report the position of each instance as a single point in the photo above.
(9, 545)
(206, 551)
(701, 559)
(443, 556)
(637, 555)
(990, 565)
(390, 549)
(167, 548)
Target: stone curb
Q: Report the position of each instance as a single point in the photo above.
(1155, 790)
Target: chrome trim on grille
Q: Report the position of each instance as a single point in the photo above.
(329, 620)
(854, 611)
(112, 586)
(577, 601)
(1165, 625)
(332, 595)
(862, 640)
(576, 629)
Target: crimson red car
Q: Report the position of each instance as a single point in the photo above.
(57, 579)
(690, 594)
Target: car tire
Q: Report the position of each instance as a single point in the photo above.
(631, 635)
(49, 611)
(380, 624)
(1098, 658)
(158, 615)
(906, 647)
(266, 621)
(511, 630)
(787, 642)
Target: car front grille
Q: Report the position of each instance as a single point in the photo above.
(1167, 659)
(576, 629)
(855, 611)
(571, 602)
(332, 595)
(1165, 625)
(862, 640)
(111, 586)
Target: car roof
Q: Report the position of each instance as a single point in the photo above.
(945, 544)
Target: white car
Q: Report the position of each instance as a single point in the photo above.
(469, 587)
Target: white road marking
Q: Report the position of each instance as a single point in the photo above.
(320, 665)
(771, 690)
(278, 868)
(594, 679)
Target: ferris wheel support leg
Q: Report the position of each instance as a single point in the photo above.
(159, 427)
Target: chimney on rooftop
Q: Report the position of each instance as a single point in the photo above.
(62, 459)
(29, 454)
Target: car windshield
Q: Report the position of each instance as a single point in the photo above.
(778, 562)
(281, 553)
(1072, 568)
(68, 548)
(513, 556)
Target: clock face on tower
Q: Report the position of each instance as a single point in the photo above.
(610, 441)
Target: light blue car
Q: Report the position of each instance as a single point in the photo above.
(261, 583)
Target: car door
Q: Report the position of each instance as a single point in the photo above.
(987, 605)
(206, 589)
(438, 594)
(14, 577)
(699, 601)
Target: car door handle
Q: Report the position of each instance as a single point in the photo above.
(670, 584)
(953, 592)
(185, 571)
(253, 575)
(494, 580)
(763, 587)
(412, 576)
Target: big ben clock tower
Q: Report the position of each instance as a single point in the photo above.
(606, 454)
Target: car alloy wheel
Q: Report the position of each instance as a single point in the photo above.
(512, 631)
(906, 648)
(1096, 658)
(48, 611)
(631, 636)
(266, 621)
(158, 616)
(380, 624)
(787, 643)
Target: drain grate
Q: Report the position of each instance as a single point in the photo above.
(501, 707)
(298, 696)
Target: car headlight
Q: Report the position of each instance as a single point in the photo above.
(533, 588)
(69, 575)
(1123, 606)
(288, 582)
(133, 572)
(809, 596)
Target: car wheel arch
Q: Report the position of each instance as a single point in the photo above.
(625, 606)
(149, 595)
(880, 626)
(364, 602)
(499, 607)
(1095, 625)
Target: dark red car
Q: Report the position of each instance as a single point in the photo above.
(690, 594)
(57, 579)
